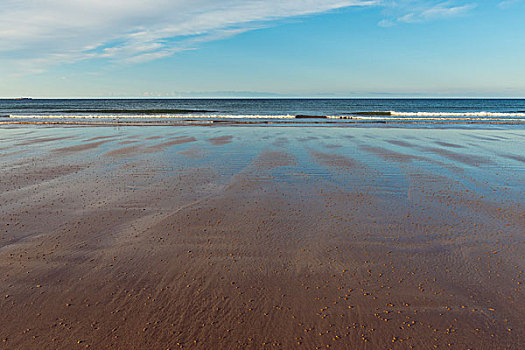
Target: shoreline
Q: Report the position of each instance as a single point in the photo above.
(348, 122)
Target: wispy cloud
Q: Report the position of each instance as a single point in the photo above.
(47, 32)
(417, 11)
(37, 34)
(509, 3)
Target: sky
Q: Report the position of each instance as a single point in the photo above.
(262, 48)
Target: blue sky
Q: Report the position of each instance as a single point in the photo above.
(333, 48)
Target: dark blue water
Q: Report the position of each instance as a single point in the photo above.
(258, 106)
(437, 110)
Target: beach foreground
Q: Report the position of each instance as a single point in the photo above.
(261, 237)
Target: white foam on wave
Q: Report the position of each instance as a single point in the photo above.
(391, 116)
(428, 118)
(437, 116)
(456, 114)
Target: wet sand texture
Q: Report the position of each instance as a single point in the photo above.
(281, 245)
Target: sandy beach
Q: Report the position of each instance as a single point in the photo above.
(261, 238)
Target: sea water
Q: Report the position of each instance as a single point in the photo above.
(304, 111)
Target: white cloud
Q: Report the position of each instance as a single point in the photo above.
(46, 32)
(417, 11)
(37, 34)
(505, 4)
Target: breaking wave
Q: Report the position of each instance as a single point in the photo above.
(365, 117)
(444, 114)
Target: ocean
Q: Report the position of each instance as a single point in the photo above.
(495, 112)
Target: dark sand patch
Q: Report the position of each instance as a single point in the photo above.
(392, 155)
(308, 138)
(124, 151)
(221, 140)
(332, 145)
(483, 138)
(513, 157)
(468, 159)
(15, 153)
(447, 144)
(31, 175)
(333, 160)
(281, 141)
(130, 142)
(42, 140)
(401, 143)
(150, 149)
(82, 147)
(177, 141)
(96, 138)
(193, 153)
(274, 159)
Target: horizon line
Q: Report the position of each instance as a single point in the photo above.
(260, 97)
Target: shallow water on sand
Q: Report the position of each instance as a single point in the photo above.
(255, 237)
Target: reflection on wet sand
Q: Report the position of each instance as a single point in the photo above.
(272, 240)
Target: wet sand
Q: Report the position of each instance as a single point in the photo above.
(261, 238)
